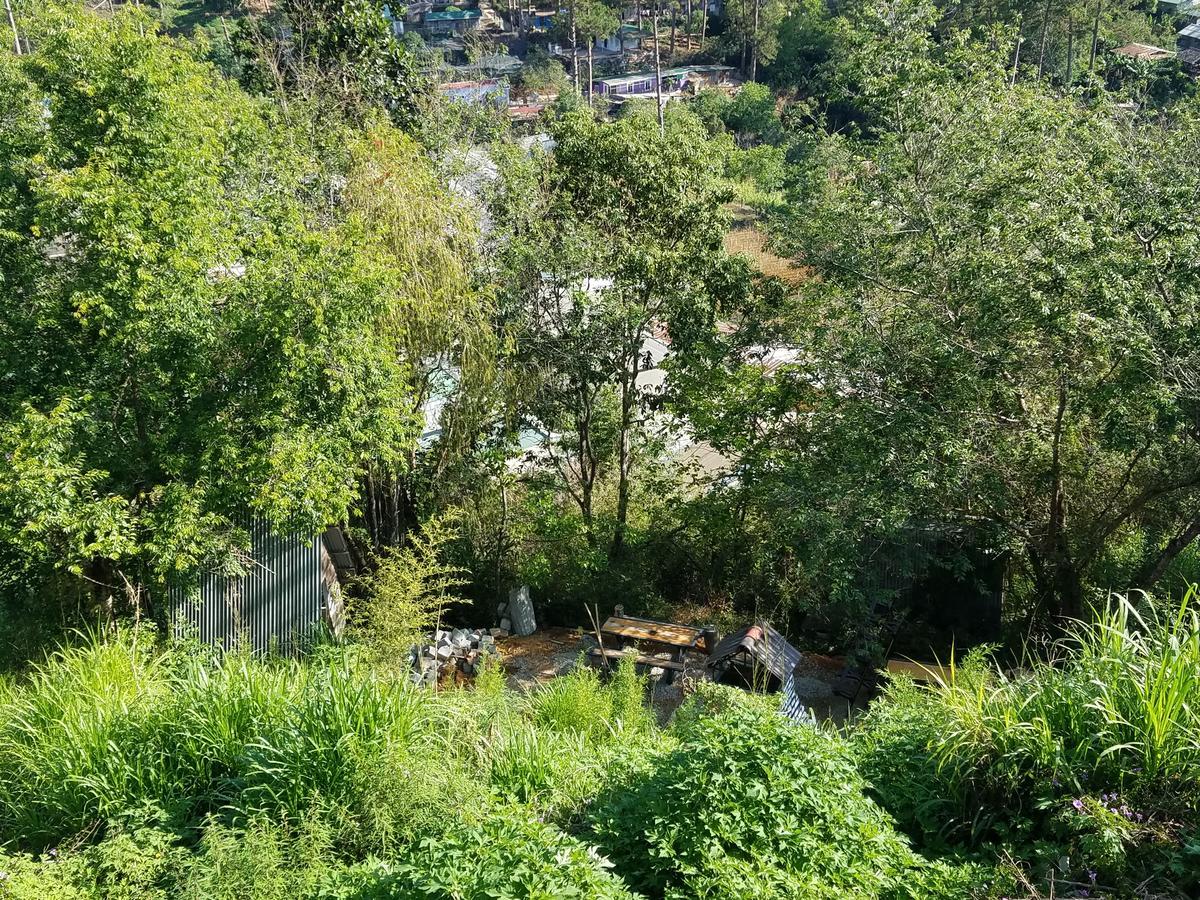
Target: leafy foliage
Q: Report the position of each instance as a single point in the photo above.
(749, 802)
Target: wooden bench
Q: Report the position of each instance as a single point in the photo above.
(670, 665)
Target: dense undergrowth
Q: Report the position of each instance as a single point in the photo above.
(130, 770)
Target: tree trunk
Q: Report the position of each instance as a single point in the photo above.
(1042, 42)
(754, 43)
(1150, 575)
(12, 23)
(1095, 37)
(631, 368)
(591, 47)
(1070, 48)
(662, 129)
(638, 8)
(674, 28)
(687, 24)
(574, 50)
(745, 38)
(704, 24)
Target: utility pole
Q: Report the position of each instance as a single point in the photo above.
(662, 128)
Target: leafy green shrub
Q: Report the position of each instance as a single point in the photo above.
(262, 861)
(508, 856)
(751, 805)
(407, 592)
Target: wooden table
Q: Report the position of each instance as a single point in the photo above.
(630, 629)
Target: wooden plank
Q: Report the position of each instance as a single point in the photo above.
(926, 672)
(668, 633)
(674, 665)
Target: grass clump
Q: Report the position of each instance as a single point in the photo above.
(1085, 765)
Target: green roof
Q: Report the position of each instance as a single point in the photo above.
(452, 15)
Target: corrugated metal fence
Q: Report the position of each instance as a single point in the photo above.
(282, 600)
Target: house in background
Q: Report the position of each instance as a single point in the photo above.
(674, 81)
(290, 591)
(488, 90)
(1189, 10)
(625, 39)
(450, 20)
(1189, 37)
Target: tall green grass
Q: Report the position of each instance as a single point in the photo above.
(1118, 706)
(113, 725)
(1087, 762)
(120, 724)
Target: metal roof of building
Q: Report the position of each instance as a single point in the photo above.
(763, 644)
(453, 15)
(1143, 51)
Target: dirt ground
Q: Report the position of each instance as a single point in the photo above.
(745, 236)
(550, 652)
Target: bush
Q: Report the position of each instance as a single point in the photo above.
(579, 702)
(751, 805)
(893, 744)
(506, 857)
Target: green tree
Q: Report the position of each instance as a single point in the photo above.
(615, 235)
(594, 20)
(204, 319)
(1000, 338)
(341, 54)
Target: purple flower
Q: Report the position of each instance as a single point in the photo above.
(1092, 875)
(1077, 803)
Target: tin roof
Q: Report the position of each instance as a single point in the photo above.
(763, 643)
(452, 15)
(1143, 51)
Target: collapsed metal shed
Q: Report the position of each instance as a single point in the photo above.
(289, 592)
(752, 652)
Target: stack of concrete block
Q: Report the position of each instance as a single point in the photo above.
(462, 649)
(516, 614)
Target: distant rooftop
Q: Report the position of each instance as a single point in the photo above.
(453, 14)
(1144, 51)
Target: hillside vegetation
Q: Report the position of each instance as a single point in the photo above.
(138, 771)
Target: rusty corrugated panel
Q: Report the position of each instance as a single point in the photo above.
(761, 643)
(279, 602)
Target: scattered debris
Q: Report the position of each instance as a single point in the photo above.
(448, 653)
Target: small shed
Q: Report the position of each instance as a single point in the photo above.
(756, 657)
(289, 590)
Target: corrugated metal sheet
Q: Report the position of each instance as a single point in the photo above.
(790, 703)
(282, 599)
(763, 644)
